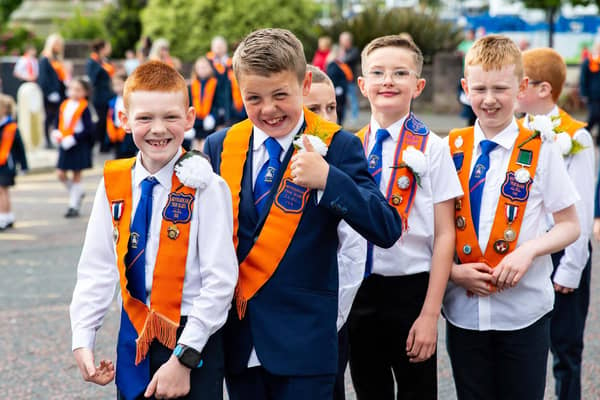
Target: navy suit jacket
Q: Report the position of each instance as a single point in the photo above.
(102, 87)
(291, 320)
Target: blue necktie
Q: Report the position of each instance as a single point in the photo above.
(375, 166)
(267, 174)
(477, 180)
(131, 379)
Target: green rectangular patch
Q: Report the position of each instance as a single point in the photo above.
(525, 157)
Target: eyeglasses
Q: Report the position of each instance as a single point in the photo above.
(398, 75)
(534, 83)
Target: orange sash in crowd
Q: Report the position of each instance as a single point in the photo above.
(217, 64)
(59, 68)
(594, 64)
(569, 124)
(402, 185)
(346, 70)
(236, 94)
(161, 320)
(70, 129)
(7, 139)
(108, 67)
(115, 133)
(203, 102)
(284, 215)
(514, 194)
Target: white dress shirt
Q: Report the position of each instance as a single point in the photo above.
(119, 106)
(412, 253)
(580, 168)
(551, 191)
(211, 269)
(68, 113)
(21, 68)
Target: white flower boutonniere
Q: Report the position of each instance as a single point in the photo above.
(316, 142)
(415, 161)
(194, 170)
(549, 129)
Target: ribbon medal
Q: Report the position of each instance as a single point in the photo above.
(511, 212)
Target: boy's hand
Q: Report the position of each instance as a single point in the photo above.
(309, 168)
(563, 289)
(475, 277)
(422, 338)
(172, 380)
(597, 229)
(100, 375)
(512, 267)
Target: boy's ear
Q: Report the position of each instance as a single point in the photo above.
(465, 85)
(190, 118)
(306, 82)
(124, 121)
(420, 86)
(360, 81)
(523, 84)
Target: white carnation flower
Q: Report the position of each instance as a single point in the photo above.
(194, 171)
(318, 144)
(415, 159)
(543, 124)
(564, 143)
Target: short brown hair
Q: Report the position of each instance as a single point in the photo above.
(495, 52)
(155, 76)
(269, 51)
(318, 76)
(399, 41)
(546, 65)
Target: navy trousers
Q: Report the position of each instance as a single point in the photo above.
(500, 365)
(258, 384)
(566, 334)
(339, 390)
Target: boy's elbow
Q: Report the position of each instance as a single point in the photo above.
(394, 232)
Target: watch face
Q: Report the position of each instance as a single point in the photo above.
(189, 357)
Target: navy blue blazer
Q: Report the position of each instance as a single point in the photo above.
(291, 320)
(101, 84)
(49, 82)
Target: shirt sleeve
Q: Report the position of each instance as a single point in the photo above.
(557, 188)
(351, 256)
(444, 178)
(97, 275)
(581, 170)
(218, 265)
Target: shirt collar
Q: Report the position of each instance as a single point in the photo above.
(284, 141)
(394, 129)
(164, 175)
(505, 138)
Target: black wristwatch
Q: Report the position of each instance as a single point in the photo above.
(188, 356)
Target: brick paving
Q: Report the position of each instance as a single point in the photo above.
(38, 266)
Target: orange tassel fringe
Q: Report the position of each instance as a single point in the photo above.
(156, 327)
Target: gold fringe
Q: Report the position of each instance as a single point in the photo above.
(156, 327)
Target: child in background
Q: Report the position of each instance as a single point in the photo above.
(74, 136)
(12, 152)
(122, 141)
(340, 74)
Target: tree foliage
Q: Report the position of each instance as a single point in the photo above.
(189, 25)
(123, 25)
(81, 26)
(7, 7)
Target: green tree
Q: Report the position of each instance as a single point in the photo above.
(81, 26)
(189, 25)
(123, 25)
(7, 7)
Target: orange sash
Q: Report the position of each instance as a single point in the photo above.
(594, 64)
(108, 67)
(284, 215)
(203, 101)
(70, 129)
(346, 70)
(511, 205)
(236, 94)
(569, 124)
(414, 133)
(217, 64)
(115, 133)
(7, 138)
(59, 68)
(161, 320)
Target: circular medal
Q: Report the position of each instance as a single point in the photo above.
(403, 182)
(173, 232)
(458, 204)
(115, 234)
(467, 249)
(501, 246)
(461, 222)
(522, 175)
(458, 142)
(396, 199)
(509, 234)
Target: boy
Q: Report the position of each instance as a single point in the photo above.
(281, 340)
(122, 141)
(393, 322)
(352, 249)
(547, 72)
(498, 302)
(176, 283)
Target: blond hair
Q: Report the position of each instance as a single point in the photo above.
(155, 76)
(48, 50)
(400, 41)
(8, 103)
(546, 65)
(495, 52)
(318, 76)
(269, 51)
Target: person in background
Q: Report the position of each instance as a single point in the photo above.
(131, 62)
(160, 51)
(121, 140)
(99, 71)
(589, 89)
(27, 67)
(340, 74)
(323, 48)
(52, 79)
(350, 55)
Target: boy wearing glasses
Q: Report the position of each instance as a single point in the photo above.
(393, 322)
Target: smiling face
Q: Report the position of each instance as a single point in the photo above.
(493, 94)
(390, 82)
(274, 103)
(321, 101)
(157, 121)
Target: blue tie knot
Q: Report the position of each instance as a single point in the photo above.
(381, 135)
(148, 185)
(487, 146)
(273, 148)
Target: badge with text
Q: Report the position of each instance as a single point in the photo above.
(179, 208)
(515, 190)
(291, 198)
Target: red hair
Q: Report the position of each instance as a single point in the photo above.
(155, 76)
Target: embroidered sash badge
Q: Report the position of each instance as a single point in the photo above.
(515, 190)
(179, 208)
(458, 159)
(291, 198)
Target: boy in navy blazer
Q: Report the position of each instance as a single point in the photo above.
(293, 176)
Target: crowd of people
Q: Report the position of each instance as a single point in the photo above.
(289, 248)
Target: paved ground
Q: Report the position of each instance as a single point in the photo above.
(38, 266)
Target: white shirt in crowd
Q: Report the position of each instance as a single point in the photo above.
(211, 269)
(412, 253)
(552, 191)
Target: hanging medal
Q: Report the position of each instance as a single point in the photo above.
(511, 212)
